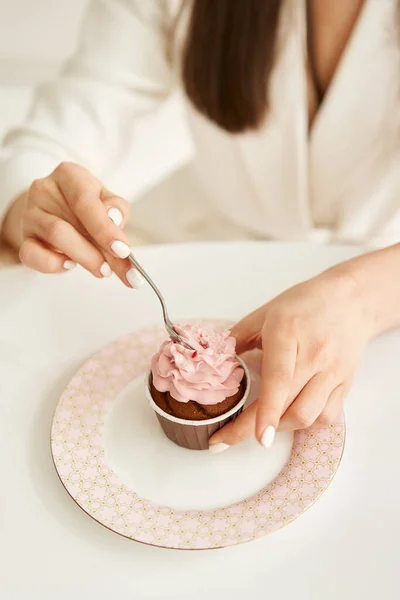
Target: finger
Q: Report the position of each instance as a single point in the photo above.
(302, 375)
(123, 268)
(277, 368)
(84, 196)
(236, 431)
(64, 237)
(125, 271)
(247, 332)
(117, 208)
(309, 404)
(333, 407)
(34, 255)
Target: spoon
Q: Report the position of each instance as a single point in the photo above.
(169, 326)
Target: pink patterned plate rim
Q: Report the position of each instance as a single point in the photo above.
(78, 452)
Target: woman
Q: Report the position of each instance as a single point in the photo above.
(294, 108)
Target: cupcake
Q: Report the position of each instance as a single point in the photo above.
(196, 392)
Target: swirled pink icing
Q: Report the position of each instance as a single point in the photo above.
(208, 375)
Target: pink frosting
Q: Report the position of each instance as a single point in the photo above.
(209, 375)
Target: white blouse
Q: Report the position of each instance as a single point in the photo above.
(338, 182)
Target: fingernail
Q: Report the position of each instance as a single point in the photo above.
(115, 216)
(134, 278)
(69, 264)
(268, 436)
(105, 270)
(120, 249)
(218, 447)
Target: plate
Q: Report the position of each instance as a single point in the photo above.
(119, 467)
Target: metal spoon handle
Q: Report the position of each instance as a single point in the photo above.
(149, 280)
(169, 326)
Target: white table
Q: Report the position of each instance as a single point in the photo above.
(346, 546)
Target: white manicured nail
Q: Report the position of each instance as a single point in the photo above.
(115, 216)
(134, 278)
(105, 270)
(267, 438)
(219, 447)
(120, 249)
(69, 264)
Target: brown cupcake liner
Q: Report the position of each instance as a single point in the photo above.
(194, 435)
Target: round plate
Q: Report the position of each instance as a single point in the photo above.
(84, 462)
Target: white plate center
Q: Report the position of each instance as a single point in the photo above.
(157, 469)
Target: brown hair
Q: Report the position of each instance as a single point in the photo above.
(227, 60)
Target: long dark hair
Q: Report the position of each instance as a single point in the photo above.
(227, 60)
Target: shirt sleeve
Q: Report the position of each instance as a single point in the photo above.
(119, 73)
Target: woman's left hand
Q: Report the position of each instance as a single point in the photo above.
(312, 337)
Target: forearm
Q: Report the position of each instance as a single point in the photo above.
(377, 282)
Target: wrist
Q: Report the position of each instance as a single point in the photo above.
(376, 287)
(358, 294)
(11, 230)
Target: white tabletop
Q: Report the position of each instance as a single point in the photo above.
(346, 546)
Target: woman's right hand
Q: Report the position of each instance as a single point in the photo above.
(69, 218)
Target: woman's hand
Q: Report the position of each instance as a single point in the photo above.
(312, 337)
(69, 218)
